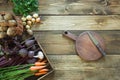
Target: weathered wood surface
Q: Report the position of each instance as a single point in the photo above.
(54, 42)
(111, 22)
(79, 7)
(71, 67)
(75, 7)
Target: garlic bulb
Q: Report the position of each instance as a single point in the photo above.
(40, 55)
(29, 17)
(35, 15)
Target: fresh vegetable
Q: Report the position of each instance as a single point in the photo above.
(39, 55)
(29, 43)
(25, 7)
(23, 52)
(22, 71)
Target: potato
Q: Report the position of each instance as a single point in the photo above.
(3, 28)
(3, 23)
(1, 17)
(12, 23)
(2, 35)
(11, 31)
(8, 16)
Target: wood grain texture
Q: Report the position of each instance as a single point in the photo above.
(71, 67)
(110, 22)
(88, 7)
(53, 42)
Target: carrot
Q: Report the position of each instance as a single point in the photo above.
(42, 60)
(43, 70)
(40, 73)
(39, 63)
(34, 68)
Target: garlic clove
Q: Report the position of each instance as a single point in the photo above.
(40, 55)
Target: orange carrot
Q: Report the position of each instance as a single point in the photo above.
(39, 63)
(38, 74)
(43, 70)
(34, 68)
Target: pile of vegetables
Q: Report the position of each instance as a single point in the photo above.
(25, 7)
(21, 72)
(29, 21)
(10, 25)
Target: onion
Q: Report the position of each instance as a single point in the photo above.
(27, 27)
(23, 19)
(29, 17)
(37, 20)
(24, 23)
(33, 20)
(35, 15)
(29, 23)
(30, 32)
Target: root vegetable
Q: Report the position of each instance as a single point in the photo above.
(30, 32)
(39, 63)
(12, 23)
(23, 52)
(29, 17)
(39, 55)
(27, 27)
(37, 20)
(29, 23)
(33, 20)
(3, 28)
(23, 19)
(1, 17)
(11, 31)
(3, 23)
(8, 16)
(43, 70)
(41, 73)
(2, 35)
(31, 54)
(24, 23)
(29, 43)
(31, 61)
(35, 15)
(34, 68)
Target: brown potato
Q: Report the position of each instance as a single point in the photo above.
(3, 23)
(2, 35)
(1, 17)
(3, 28)
(8, 16)
(12, 23)
(11, 31)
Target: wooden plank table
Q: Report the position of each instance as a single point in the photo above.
(101, 16)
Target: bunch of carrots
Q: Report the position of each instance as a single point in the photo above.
(20, 72)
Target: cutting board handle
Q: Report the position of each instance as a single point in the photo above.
(70, 35)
